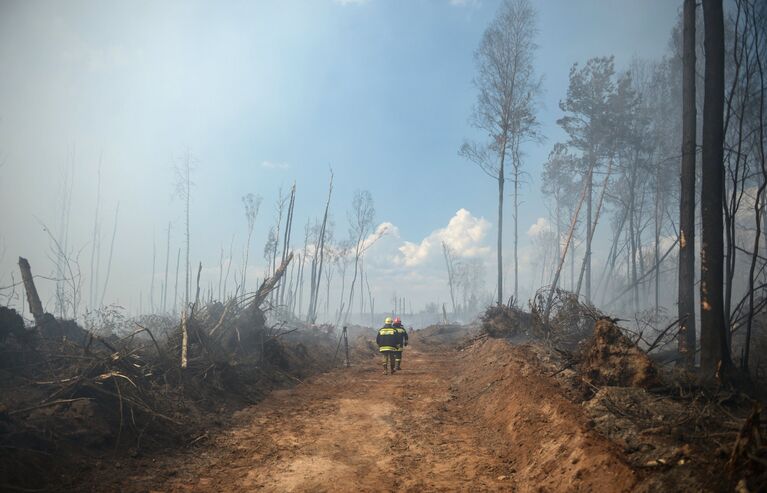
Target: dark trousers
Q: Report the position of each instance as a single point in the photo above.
(388, 360)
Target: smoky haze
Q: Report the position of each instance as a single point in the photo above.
(103, 103)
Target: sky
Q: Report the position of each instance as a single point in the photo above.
(263, 94)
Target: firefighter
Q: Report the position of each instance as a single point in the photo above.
(397, 324)
(388, 340)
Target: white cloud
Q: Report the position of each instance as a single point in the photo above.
(416, 269)
(274, 165)
(350, 2)
(541, 226)
(464, 234)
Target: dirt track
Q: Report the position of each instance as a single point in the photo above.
(419, 430)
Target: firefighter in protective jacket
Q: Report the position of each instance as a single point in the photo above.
(388, 340)
(397, 324)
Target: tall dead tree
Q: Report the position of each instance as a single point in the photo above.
(686, 307)
(759, 38)
(318, 260)
(450, 264)
(714, 354)
(151, 284)
(252, 204)
(95, 244)
(111, 251)
(505, 108)
(165, 282)
(184, 190)
(287, 236)
(361, 236)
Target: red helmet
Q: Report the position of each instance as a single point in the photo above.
(397, 320)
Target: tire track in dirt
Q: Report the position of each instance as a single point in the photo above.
(352, 430)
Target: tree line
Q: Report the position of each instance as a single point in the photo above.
(663, 161)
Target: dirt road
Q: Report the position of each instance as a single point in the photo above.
(358, 430)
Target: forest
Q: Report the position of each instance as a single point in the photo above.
(609, 251)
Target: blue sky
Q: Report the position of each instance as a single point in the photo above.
(264, 93)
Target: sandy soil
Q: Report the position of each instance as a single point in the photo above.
(438, 425)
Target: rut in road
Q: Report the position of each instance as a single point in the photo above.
(481, 420)
(351, 430)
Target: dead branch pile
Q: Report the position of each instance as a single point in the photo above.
(569, 321)
(504, 321)
(438, 337)
(681, 434)
(67, 391)
(748, 459)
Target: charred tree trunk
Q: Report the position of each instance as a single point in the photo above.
(715, 356)
(35, 306)
(686, 279)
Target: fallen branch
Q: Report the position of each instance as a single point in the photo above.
(48, 404)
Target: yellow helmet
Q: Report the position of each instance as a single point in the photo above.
(387, 321)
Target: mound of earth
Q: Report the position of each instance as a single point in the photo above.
(555, 446)
(610, 358)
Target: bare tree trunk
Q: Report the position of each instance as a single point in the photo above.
(612, 257)
(286, 238)
(572, 269)
(220, 272)
(187, 267)
(589, 227)
(658, 225)
(516, 221)
(633, 249)
(686, 313)
(357, 259)
(501, 180)
(94, 284)
(593, 228)
(175, 289)
(184, 339)
(372, 301)
(154, 266)
(573, 222)
(35, 306)
(229, 265)
(165, 283)
(715, 357)
(450, 272)
(111, 251)
(302, 269)
(759, 204)
(317, 263)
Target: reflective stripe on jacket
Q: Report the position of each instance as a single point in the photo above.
(388, 339)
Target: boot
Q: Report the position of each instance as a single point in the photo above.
(398, 366)
(386, 369)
